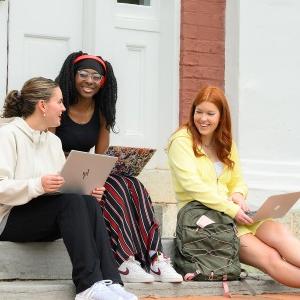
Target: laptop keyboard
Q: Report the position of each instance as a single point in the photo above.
(251, 213)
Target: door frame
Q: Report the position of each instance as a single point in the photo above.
(4, 8)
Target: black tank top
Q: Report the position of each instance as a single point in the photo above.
(76, 136)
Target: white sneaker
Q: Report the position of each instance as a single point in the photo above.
(163, 271)
(99, 291)
(118, 289)
(131, 271)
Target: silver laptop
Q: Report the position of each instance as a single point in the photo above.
(84, 171)
(275, 206)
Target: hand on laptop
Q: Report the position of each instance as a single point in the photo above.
(242, 218)
(52, 183)
(239, 199)
(98, 193)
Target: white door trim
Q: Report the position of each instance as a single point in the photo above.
(176, 61)
(88, 26)
(169, 68)
(3, 49)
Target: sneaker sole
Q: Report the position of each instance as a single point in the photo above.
(132, 280)
(170, 280)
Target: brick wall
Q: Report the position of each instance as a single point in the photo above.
(201, 50)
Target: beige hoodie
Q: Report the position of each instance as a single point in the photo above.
(25, 156)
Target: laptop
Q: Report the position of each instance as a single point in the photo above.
(131, 160)
(84, 171)
(275, 206)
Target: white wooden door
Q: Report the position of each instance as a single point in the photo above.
(142, 41)
(40, 35)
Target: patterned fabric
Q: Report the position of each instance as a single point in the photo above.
(131, 160)
(129, 216)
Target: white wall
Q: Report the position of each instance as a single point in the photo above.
(267, 72)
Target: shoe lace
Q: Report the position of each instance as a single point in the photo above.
(134, 264)
(132, 260)
(164, 262)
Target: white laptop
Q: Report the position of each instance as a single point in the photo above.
(84, 171)
(275, 206)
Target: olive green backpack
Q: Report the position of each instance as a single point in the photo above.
(209, 253)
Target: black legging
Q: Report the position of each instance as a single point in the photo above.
(78, 220)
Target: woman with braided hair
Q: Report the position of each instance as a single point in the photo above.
(89, 90)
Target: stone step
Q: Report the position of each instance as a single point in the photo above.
(64, 289)
(42, 260)
(43, 271)
(37, 290)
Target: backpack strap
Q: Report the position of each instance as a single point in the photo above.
(248, 287)
(226, 287)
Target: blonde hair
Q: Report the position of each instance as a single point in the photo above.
(22, 103)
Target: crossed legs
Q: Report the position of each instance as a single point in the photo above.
(275, 251)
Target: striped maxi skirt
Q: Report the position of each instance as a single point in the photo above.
(130, 221)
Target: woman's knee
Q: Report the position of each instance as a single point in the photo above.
(269, 260)
(257, 253)
(72, 201)
(93, 208)
(91, 202)
(274, 234)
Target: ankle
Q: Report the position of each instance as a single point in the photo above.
(154, 255)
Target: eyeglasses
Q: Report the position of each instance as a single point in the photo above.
(84, 75)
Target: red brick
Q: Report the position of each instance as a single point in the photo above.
(202, 46)
(210, 34)
(189, 31)
(188, 96)
(190, 58)
(203, 6)
(202, 50)
(190, 84)
(204, 19)
(203, 72)
(202, 59)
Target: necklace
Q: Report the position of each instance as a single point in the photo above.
(210, 145)
(206, 146)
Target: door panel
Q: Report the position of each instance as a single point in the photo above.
(39, 42)
(133, 50)
(142, 42)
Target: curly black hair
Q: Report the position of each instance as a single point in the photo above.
(106, 98)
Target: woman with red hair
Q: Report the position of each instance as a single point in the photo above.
(205, 167)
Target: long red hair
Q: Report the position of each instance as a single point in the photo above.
(222, 134)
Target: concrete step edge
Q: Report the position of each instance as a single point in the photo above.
(64, 290)
(42, 260)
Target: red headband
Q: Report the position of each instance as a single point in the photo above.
(87, 56)
(98, 59)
